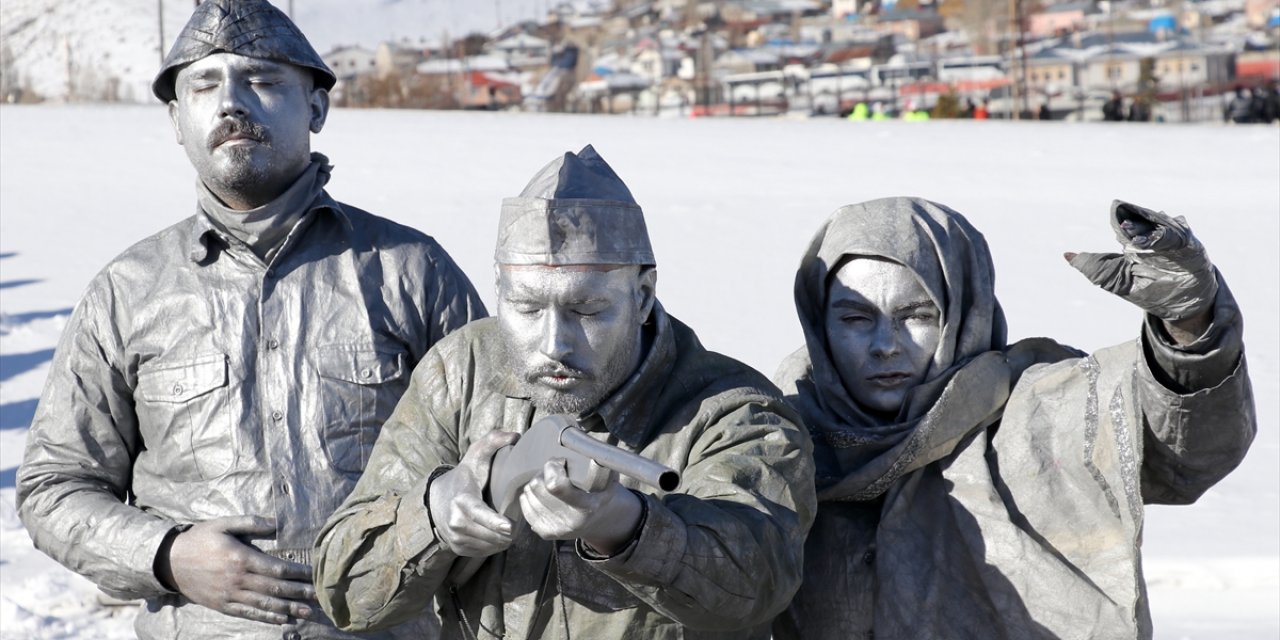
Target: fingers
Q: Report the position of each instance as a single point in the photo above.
(244, 525)
(264, 608)
(293, 579)
(598, 477)
(473, 529)
(479, 455)
(1107, 270)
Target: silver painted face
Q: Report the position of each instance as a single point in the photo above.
(883, 329)
(246, 124)
(572, 334)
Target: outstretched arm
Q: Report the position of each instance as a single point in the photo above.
(1193, 386)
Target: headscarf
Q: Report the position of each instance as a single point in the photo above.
(968, 379)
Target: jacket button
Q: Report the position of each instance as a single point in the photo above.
(292, 635)
(869, 557)
(277, 416)
(273, 344)
(366, 373)
(177, 389)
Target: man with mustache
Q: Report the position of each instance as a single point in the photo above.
(579, 330)
(220, 386)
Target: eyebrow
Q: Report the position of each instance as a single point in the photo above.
(913, 306)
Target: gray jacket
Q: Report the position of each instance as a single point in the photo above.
(194, 381)
(715, 559)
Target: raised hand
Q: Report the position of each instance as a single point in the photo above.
(464, 522)
(211, 566)
(1163, 268)
(604, 517)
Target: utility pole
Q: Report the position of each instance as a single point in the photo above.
(160, 20)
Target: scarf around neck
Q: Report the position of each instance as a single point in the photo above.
(263, 229)
(968, 380)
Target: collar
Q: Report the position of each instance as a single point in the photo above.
(205, 232)
(627, 413)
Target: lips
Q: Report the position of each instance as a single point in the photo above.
(889, 380)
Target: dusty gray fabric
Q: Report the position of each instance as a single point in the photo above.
(1164, 269)
(715, 559)
(193, 381)
(251, 28)
(1029, 526)
(264, 228)
(575, 210)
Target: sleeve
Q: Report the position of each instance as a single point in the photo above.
(725, 553)
(75, 480)
(1197, 404)
(454, 301)
(378, 561)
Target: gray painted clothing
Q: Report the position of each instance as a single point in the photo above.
(718, 558)
(1007, 503)
(195, 381)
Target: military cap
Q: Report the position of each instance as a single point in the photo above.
(576, 210)
(251, 28)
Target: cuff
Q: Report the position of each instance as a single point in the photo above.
(413, 512)
(145, 554)
(655, 554)
(1204, 363)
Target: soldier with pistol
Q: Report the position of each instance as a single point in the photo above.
(580, 342)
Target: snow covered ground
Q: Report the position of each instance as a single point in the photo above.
(730, 205)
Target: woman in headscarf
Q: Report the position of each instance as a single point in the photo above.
(973, 489)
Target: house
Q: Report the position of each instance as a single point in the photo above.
(912, 24)
(392, 58)
(1060, 19)
(522, 50)
(349, 62)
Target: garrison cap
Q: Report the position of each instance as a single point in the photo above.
(251, 28)
(576, 210)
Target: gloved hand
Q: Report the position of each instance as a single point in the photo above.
(1164, 269)
(604, 517)
(464, 522)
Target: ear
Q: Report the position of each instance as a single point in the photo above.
(173, 118)
(319, 109)
(497, 279)
(647, 291)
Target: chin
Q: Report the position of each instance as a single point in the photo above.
(558, 402)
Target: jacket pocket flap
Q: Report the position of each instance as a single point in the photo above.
(182, 381)
(359, 365)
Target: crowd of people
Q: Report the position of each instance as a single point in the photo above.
(1257, 105)
(284, 417)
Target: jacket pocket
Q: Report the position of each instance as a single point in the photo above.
(360, 386)
(183, 413)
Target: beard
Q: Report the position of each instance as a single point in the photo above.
(592, 388)
(239, 169)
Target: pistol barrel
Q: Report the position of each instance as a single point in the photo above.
(624, 462)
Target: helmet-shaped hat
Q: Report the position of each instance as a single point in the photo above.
(576, 210)
(251, 28)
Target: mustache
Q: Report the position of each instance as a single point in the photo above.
(556, 369)
(231, 127)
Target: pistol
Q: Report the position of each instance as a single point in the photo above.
(561, 436)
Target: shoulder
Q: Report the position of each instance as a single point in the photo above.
(135, 268)
(401, 244)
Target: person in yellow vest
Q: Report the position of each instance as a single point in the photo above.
(859, 113)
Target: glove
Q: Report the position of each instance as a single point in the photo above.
(1164, 269)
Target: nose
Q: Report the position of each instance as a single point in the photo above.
(557, 342)
(232, 100)
(885, 340)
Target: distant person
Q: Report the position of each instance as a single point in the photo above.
(580, 331)
(1113, 109)
(1140, 110)
(970, 488)
(1043, 113)
(218, 390)
(1240, 109)
(969, 108)
(1264, 104)
(859, 113)
(878, 112)
(982, 111)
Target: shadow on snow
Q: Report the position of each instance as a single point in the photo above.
(17, 363)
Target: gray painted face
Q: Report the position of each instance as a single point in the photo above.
(572, 334)
(882, 328)
(246, 124)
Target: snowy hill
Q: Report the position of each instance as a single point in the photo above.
(112, 49)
